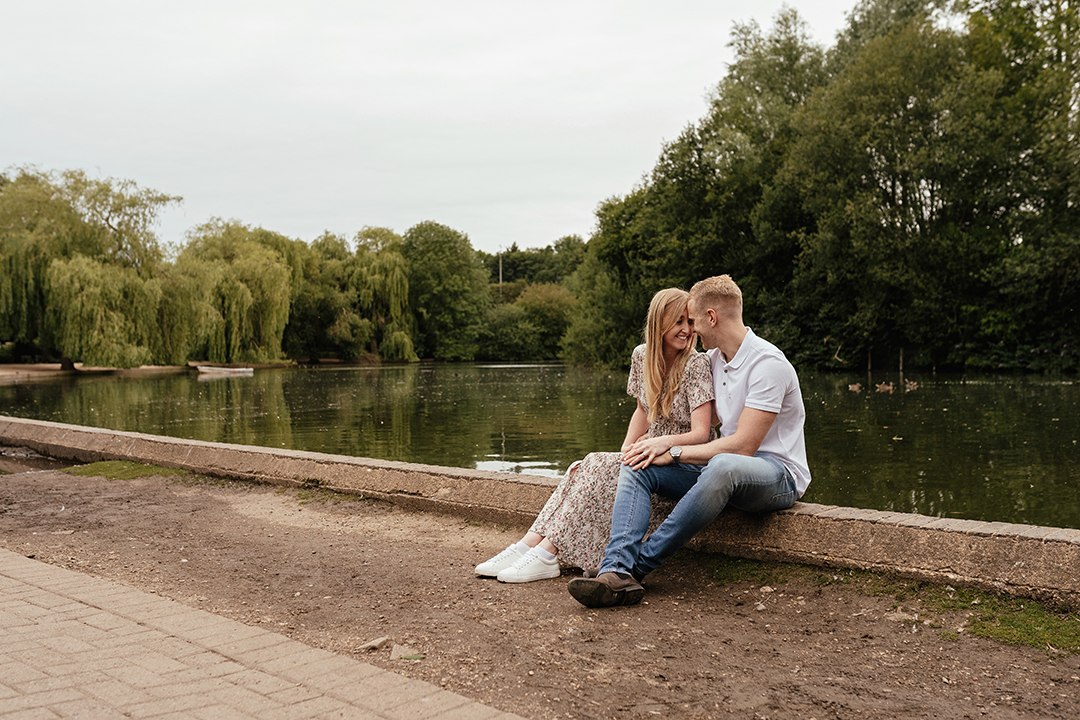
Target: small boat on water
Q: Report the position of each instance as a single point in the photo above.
(215, 371)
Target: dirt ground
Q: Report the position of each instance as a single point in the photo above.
(339, 574)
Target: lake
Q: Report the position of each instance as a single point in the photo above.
(977, 447)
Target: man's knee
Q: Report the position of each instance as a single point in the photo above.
(721, 475)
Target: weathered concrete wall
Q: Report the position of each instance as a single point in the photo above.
(1026, 560)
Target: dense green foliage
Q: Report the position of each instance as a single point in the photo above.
(448, 291)
(85, 280)
(79, 266)
(551, 264)
(529, 328)
(533, 305)
(911, 192)
(915, 187)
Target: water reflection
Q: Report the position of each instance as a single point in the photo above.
(985, 448)
(991, 449)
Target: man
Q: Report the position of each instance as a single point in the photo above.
(757, 464)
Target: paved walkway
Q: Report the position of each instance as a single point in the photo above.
(72, 645)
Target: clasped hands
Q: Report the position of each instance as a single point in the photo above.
(646, 452)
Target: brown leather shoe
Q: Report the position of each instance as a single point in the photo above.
(607, 590)
(594, 570)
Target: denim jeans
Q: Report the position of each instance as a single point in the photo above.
(754, 484)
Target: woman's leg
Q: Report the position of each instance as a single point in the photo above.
(547, 545)
(535, 536)
(580, 526)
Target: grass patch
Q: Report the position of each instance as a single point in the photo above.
(732, 570)
(308, 495)
(123, 470)
(994, 616)
(1024, 622)
(313, 492)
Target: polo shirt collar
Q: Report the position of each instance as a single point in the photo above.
(744, 350)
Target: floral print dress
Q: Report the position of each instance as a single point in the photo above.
(577, 516)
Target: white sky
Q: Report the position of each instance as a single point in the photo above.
(507, 121)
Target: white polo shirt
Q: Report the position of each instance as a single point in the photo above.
(760, 377)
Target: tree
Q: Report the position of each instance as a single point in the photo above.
(36, 226)
(65, 231)
(607, 324)
(448, 291)
(250, 309)
(123, 216)
(507, 334)
(102, 314)
(548, 308)
(381, 280)
(873, 19)
(923, 175)
(550, 264)
(1029, 319)
(185, 315)
(322, 314)
(694, 215)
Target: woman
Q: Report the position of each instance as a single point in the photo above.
(673, 386)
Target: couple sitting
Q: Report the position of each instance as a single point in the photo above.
(598, 516)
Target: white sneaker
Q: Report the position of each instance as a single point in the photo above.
(494, 566)
(529, 567)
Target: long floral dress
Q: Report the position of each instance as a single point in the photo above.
(577, 516)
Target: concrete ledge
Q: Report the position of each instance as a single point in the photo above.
(1025, 560)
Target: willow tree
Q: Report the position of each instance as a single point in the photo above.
(323, 318)
(248, 291)
(122, 216)
(102, 314)
(64, 230)
(36, 226)
(380, 278)
(186, 315)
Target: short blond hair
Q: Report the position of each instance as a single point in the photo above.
(719, 293)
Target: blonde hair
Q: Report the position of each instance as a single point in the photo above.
(661, 383)
(719, 293)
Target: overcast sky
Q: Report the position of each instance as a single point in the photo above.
(508, 121)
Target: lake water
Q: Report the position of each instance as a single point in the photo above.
(986, 448)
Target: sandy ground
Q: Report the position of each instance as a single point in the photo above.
(339, 574)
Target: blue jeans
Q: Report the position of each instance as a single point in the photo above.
(754, 484)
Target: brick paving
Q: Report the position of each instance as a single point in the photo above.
(72, 645)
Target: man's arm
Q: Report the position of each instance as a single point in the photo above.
(641, 453)
(747, 438)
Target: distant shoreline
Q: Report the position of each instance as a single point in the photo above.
(11, 373)
(16, 372)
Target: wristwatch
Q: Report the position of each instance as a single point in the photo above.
(675, 453)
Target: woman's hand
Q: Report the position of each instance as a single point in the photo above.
(646, 452)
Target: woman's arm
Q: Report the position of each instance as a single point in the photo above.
(641, 453)
(639, 427)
